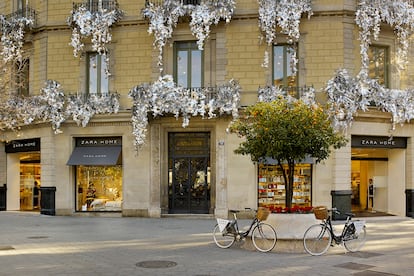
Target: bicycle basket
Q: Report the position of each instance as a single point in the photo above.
(321, 212)
(222, 223)
(262, 213)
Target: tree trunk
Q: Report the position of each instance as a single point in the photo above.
(288, 177)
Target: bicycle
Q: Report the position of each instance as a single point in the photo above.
(263, 235)
(319, 237)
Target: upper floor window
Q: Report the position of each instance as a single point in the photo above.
(97, 77)
(21, 4)
(378, 64)
(188, 65)
(283, 73)
(22, 70)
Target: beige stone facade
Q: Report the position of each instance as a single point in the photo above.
(329, 41)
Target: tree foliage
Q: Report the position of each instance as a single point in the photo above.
(287, 131)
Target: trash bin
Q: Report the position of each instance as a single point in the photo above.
(47, 200)
(409, 203)
(3, 197)
(342, 201)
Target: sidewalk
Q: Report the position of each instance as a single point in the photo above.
(34, 244)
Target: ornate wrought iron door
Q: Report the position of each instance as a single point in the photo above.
(189, 169)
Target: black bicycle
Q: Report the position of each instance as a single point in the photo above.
(319, 237)
(264, 237)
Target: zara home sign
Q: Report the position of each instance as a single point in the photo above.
(98, 141)
(378, 142)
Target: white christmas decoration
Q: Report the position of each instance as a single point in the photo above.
(286, 15)
(347, 95)
(12, 36)
(163, 18)
(54, 102)
(399, 14)
(96, 25)
(82, 111)
(53, 106)
(165, 97)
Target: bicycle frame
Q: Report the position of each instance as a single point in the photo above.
(338, 239)
(241, 233)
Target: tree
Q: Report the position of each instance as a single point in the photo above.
(286, 130)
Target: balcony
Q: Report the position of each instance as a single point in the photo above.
(296, 91)
(96, 5)
(183, 2)
(26, 12)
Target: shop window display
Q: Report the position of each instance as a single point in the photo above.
(272, 189)
(99, 188)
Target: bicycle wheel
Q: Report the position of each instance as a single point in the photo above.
(355, 241)
(317, 239)
(223, 239)
(264, 237)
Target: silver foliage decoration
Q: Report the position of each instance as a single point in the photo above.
(272, 93)
(399, 14)
(53, 106)
(165, 97)
(286, 15)
(12, 36)
(96, 25)
(347, 95)
(82, 110)
(163, 18)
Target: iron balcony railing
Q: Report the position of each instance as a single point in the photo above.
(95, 5)
(184, 2)
(297, 91)
(26, 12)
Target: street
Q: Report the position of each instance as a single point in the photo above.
(35, 244)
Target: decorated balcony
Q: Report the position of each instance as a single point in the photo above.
(93, 20)
(13, 29)
(27, 13)
(161, 2)
(95, 6)
(270, 93)
(163, 17)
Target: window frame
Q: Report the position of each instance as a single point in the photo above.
(99, 76)
(190, 48)
(23, 77)
(385, 67)
(286, 65)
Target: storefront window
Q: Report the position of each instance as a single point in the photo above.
(272, 189)
(99, 188)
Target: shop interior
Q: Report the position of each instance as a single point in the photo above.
(30, 171)
(99, 188)
(369, 177)
(272, 190)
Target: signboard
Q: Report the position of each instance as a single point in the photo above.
(98, 141)
(378, 142)
(24, 145)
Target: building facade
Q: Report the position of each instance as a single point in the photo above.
(104, 156)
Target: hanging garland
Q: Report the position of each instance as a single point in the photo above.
(163, 18)
(165, 97)
(347, 95)
(96, 25)
(399, 14)
(12, 37)
(52, 106)
(286, 15)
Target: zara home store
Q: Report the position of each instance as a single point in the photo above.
(382, 169)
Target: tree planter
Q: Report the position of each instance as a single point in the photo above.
(291, 226)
